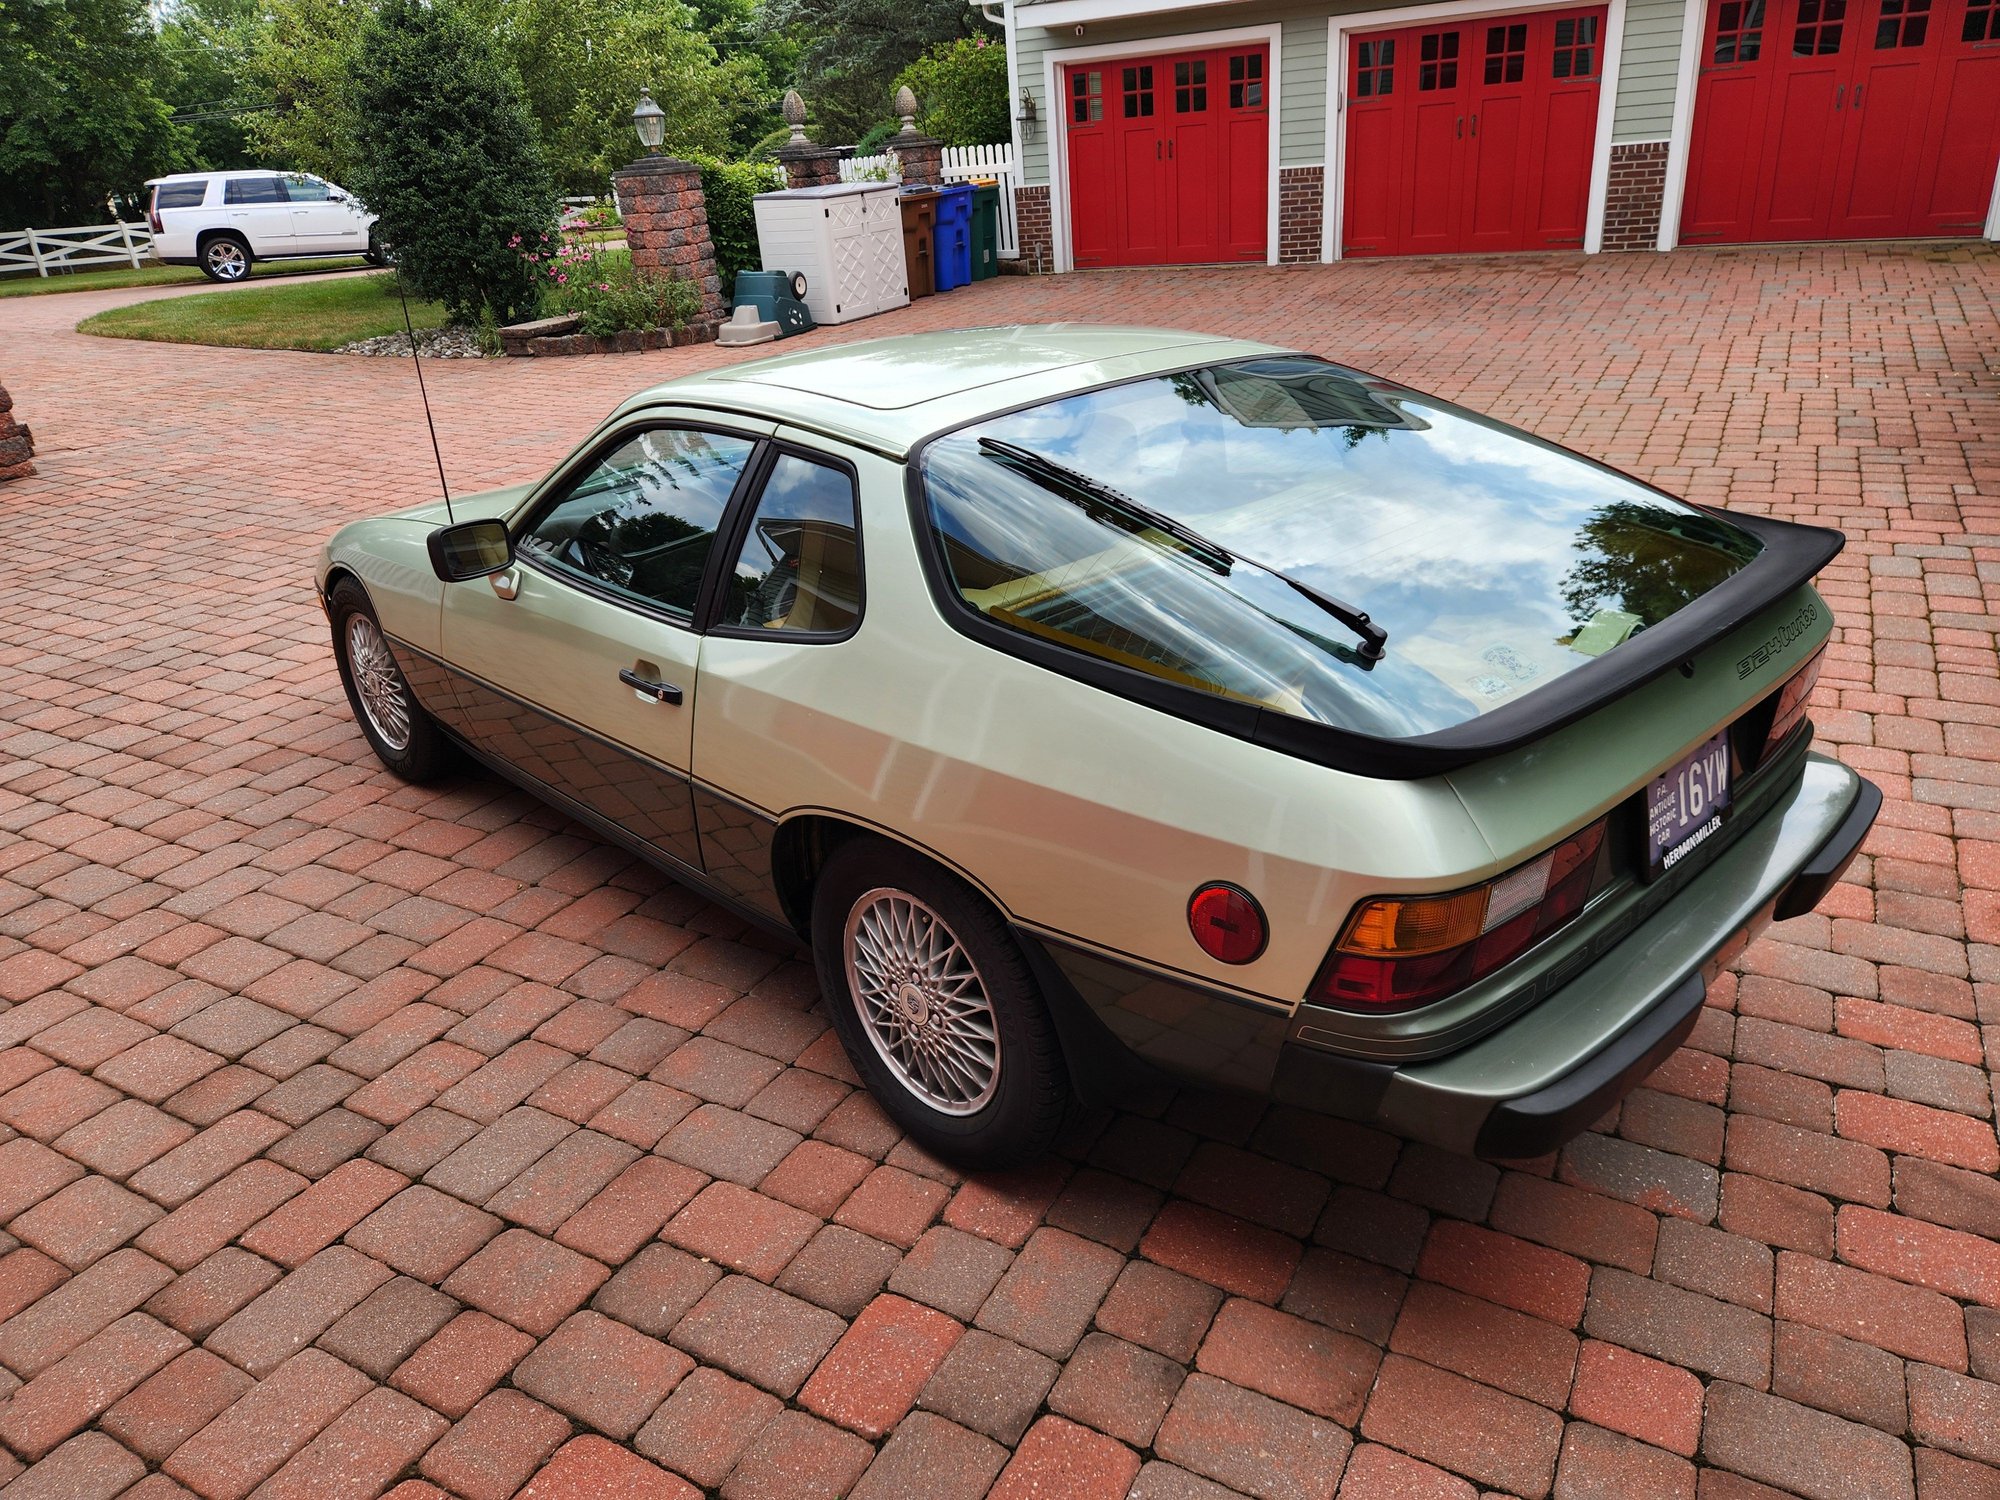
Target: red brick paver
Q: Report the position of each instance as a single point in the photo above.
(351, 1132)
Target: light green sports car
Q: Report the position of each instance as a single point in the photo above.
(1103, 704)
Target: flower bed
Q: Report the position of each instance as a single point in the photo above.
(563, 335)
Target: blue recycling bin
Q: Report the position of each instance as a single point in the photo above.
(951, 239)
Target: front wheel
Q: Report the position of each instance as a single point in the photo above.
(375, 254)
(404, 738)
(225, 258)
(936, 1007)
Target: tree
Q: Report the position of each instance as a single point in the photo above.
(208, 46)
(303, 61)
(583, 62)
(961, 90)
(852, 50)
(448, 157)
(83, 109)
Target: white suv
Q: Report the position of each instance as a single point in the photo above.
(222, 221)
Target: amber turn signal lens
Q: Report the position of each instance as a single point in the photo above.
(1227, 923)
(1413, 925)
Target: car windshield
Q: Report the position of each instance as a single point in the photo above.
(1494, 562)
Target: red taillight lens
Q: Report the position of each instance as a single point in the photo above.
(1227, 923)
(153, 212)
(1793, 700)
(1401, 951)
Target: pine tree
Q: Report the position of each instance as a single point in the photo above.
(450, 160)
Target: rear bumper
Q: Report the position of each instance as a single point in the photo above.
(1523, 1090)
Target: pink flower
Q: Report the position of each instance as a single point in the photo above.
(562, 281)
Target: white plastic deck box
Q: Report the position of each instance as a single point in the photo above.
(847, 237)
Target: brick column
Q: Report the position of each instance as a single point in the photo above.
(807, 165)
(1301, 195)
(1635, 195)
(17, 444)
(922, 158)
(666, 229)
(1031, 215)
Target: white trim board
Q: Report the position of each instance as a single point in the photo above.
(1339, 28)
(1054, 61)
(1673, 191)
(1059, 13)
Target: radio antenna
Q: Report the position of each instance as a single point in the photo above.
(417, 360)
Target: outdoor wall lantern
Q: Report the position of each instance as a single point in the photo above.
(650, 121)
(1027, 114)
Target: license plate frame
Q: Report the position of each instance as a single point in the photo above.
(1687, 803)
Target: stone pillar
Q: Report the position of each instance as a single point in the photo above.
(807, 165)
(666, 229)
(922, 158)
(17, 444)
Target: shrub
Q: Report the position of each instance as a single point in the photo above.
(448, 158)
(606, 290)
(961, 90)
(728, 187)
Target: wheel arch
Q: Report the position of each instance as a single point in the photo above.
(807, 839)
(222, 232)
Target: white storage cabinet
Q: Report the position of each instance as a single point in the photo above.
(847, 237)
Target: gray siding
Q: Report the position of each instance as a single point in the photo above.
(1647, 73)
(1649, 70)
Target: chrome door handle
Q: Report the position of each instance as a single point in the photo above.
(659, 692)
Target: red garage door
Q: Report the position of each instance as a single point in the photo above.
(1169, 158)
(1473, 136)
(1844, 119)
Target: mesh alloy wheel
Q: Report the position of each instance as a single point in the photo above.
(922, 1001)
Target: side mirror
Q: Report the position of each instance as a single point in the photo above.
(471, 549)
(336, 197)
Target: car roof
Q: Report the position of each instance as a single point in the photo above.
(232, 172)
(889, 394)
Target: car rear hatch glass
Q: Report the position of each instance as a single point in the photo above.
(1271, 503)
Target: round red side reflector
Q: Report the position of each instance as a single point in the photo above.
(1227, 922)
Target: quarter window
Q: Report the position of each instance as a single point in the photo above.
(253, 190)
(179, 194)
(800, 567)
(641, 522)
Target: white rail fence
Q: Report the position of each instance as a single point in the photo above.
(46, 250)
(961, 164)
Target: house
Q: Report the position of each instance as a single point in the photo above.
(1175, 131)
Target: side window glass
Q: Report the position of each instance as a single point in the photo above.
(643, 519)
(180, 194)
(253, 190)
(800, 568)
(305, 189)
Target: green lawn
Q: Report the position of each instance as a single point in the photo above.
(315, 315)
(150, 275)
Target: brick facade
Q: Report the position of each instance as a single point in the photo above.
(1301, 210)
(1032, 217)
(807, 165)
(17, 444)
(666, 228)
(1633, 200)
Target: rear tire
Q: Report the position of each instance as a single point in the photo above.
(936, 1007)
(404, 738)
(225, 258)
(375, 255)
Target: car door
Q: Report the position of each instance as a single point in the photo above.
(578, 663)
(322, 223)
(786, 606)
(259, 209)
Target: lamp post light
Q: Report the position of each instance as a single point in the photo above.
(650, 121)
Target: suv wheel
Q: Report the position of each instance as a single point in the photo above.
(936, 1007)
(225, 258)
(375, 254)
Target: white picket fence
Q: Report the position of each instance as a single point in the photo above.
(961, 164)
(46, 250)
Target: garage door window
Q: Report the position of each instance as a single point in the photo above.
(1982, 21)
(1506, 53)
(1902, 24)
(1576, 48)
(1191, 87)
(1375, 70)
(1819, 28)
(1086, 91)
(1138, 92)
(1246, 81)
(1739, 32)
(1437, 62)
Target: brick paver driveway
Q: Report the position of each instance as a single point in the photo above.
(354, 1133)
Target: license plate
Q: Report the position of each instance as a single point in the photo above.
(1685, 805)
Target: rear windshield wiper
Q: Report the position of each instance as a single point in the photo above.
(1079, 488)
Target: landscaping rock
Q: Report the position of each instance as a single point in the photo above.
(17, 444)
(437, 343)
